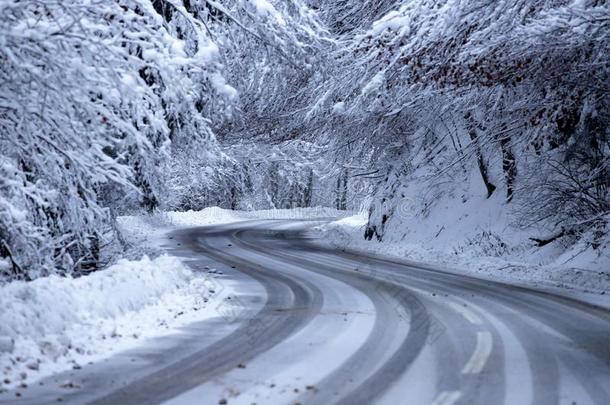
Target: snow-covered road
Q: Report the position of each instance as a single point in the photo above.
(313, 325)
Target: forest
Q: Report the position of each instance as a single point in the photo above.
(400, 109)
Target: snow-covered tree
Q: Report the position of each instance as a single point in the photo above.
(122, 104)
(523, 86)
(92, 93)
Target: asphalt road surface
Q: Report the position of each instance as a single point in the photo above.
(314, 325)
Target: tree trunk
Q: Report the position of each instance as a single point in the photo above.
(274, 187)
(509, 167)
(344, 191)
(307, 195)
(471, 126)
(341, 198)
(385, 199)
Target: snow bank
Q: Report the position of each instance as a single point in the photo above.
(216, 215)
(55, 323)
(453, 223)
(451, 254)
(150, 230)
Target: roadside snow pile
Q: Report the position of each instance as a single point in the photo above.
(585, 272)
(150, 230)
(216, 215)
(207, 216)
(56, 323)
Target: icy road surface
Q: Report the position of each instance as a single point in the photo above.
(318, 326)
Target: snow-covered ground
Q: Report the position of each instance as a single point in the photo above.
(454, 226)
(475, 237)
(150, 230)
(587, 275)
(58, 323)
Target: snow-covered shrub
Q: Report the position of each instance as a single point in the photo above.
(485, 243)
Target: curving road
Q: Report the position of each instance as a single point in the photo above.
(313, 325)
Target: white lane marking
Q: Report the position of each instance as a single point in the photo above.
(480, 355)
(447, 398)
(466, 313)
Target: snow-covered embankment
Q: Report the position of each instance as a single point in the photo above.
(57, 323)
